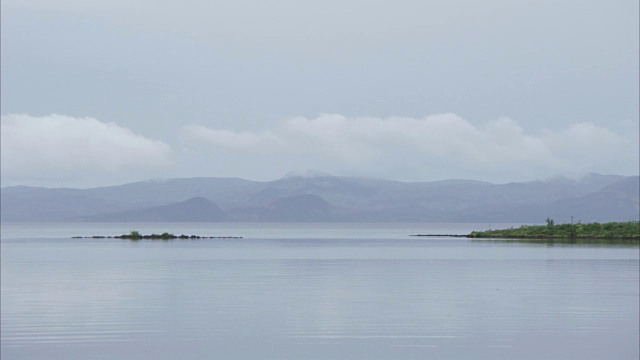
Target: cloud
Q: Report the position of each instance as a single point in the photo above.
(434, 147)
(230, 139)
(59, 147)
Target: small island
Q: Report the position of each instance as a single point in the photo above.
(135, 235)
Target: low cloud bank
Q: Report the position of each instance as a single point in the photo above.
(59, 147)
(433, 147)
(59, 150)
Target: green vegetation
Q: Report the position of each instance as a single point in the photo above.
(608, 231)
(135, 236)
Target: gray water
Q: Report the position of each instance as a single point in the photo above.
(311, 291)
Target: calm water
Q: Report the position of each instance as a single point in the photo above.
(311, 291)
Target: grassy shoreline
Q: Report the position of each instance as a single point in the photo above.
(629, 230)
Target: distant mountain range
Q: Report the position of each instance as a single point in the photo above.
(325, 198)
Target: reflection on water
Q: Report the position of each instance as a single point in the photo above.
(316, 299)
(604, 243)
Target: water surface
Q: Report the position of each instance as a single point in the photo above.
(311, 291)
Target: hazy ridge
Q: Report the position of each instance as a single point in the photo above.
(325, 198)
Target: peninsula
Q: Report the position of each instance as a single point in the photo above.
(612, 230)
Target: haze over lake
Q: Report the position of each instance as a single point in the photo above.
(313, 291)
(321, 135)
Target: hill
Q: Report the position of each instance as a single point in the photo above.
(196, 209)
(297, 208)
(330, 198)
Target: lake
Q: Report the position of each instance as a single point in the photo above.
(311, 291)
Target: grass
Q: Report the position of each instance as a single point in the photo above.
(629, 230)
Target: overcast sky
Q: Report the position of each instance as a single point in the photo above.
(106, 92)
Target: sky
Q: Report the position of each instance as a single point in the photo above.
(97, 93)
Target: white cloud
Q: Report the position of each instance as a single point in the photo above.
(231, 139)
(58, 150)
(586, 147)
(59, 147)
(434, 147)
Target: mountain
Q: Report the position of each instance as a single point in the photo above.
(196, 209)
(297, 208)
(22, 203)
(614, 202)
(321, 197)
